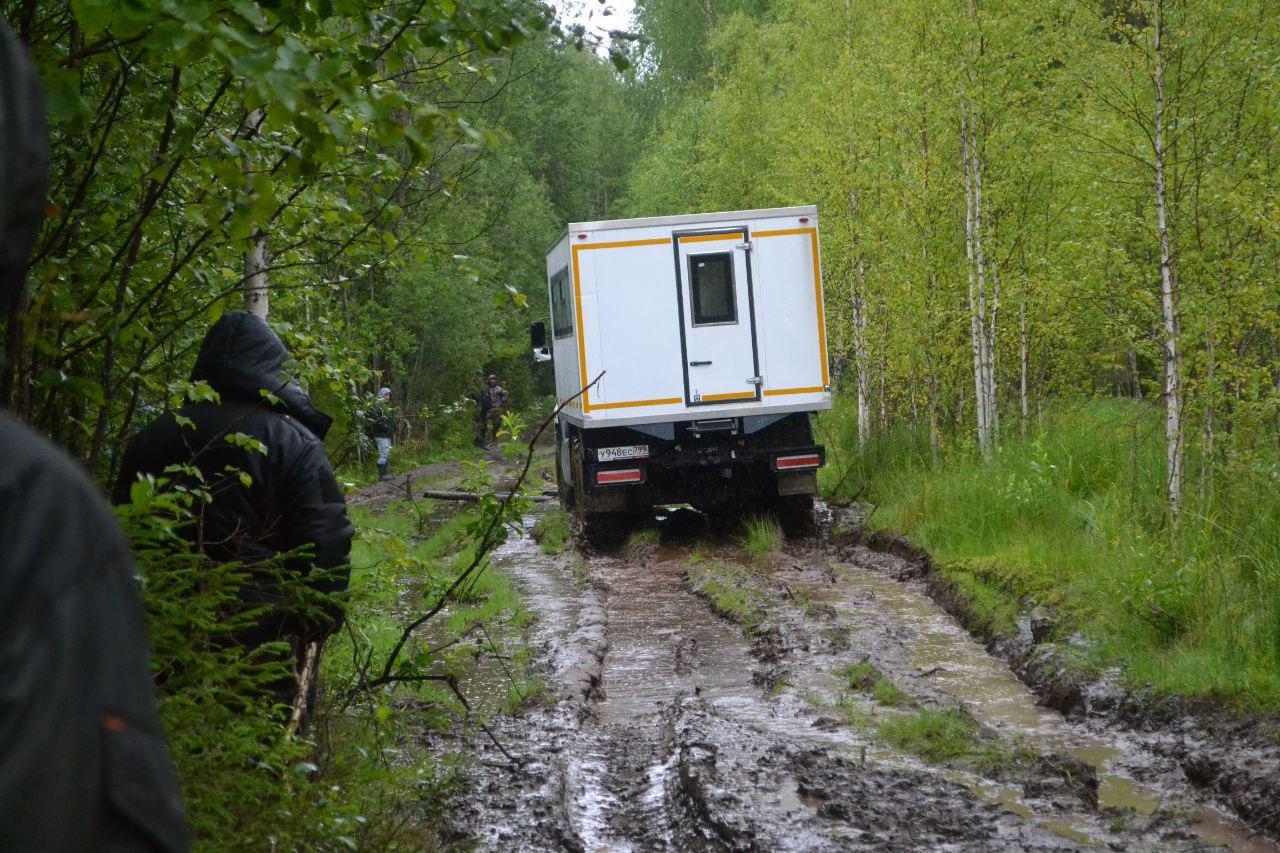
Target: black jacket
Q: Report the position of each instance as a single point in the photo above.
(83, 765)
(292, 500)
(381, 424)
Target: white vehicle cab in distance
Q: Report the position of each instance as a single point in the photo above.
(710, 334)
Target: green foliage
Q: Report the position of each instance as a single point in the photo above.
(243, 781)
(761, 536)
(862, 677)
(888, 694)
(645, 536)
(936, 735)
(552, 531)
(1073, 517)
(729, 590)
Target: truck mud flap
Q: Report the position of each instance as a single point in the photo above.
(798, 483)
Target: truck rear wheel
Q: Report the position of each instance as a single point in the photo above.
(605, 530)
(564, 486)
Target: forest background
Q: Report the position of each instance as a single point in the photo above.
(1049, 253)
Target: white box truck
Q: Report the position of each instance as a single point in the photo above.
(709, 332)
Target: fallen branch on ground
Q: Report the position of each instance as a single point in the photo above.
(488, 540)
(472, 497)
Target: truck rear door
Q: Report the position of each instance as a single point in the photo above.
(717, 315)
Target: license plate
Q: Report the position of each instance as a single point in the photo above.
(631, 451)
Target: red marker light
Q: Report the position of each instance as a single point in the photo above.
(582, 236)
(626, 475)
(807, 460)
(804, 219)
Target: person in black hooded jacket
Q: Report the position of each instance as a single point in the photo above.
(83, 763)
(291, 500)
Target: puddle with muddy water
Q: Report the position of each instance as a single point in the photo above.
(678, 745)
(949, 659)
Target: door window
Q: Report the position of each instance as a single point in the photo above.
(561, 312)
(711, 281)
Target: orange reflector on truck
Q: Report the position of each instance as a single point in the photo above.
(805, 460)
(624, 475)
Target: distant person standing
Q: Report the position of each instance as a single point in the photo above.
(482, 412)
(83, 763)
(497, 407)
(382, 429)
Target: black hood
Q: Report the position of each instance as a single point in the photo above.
(24, 162)
(241, 357)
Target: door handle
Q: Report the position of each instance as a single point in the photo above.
(699, 363)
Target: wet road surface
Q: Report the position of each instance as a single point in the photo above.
(673, 728)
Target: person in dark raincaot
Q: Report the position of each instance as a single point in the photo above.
(273, 501)
(83, 762)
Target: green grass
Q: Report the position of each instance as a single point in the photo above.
(761, 536)
(729, 590)
(935, 735)
(644, 536)
(395, 567)
(865, 678)
(1073, 515)
(552, 531)
(889, 694)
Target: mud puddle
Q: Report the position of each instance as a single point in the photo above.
(929, 655)
(669, 727)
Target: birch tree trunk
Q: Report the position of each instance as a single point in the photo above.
(1169, 310)
(861, 368)
(860, 361)
(256, 284)
(1023, 406)
(978, 328)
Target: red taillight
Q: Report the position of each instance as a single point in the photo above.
(582, 236)
(624, 475)
(804, 460)
(804, 219)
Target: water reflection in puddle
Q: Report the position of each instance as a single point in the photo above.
(955, 663)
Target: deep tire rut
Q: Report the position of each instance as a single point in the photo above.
(676, 729)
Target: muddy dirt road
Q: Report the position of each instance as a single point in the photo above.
(802, 700)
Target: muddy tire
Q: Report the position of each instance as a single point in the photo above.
(605, 531)
(795, 515)
(564, 485)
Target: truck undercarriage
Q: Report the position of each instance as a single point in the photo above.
(722, 467)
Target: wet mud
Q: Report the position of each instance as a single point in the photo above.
(670, 726)
(1233, 759)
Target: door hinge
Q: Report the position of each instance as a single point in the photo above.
(755, 380)
(746, 247)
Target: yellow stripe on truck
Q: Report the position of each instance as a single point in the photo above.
(778, 392)
(708, 238)
(667, 401)
(732, 395)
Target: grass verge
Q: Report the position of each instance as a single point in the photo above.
(552, 531)
(865, 678)
(761, 536)
(1071, 515)
(950, 736)
(729, 589)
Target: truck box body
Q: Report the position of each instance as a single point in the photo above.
(710, 335)
(621, 303)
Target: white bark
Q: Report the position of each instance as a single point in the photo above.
(860, 363)
(256, 285)
(981, 325)
(1022, 359)
(860, 355)
(1169, 310)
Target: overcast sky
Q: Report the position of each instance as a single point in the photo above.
(599, 17)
